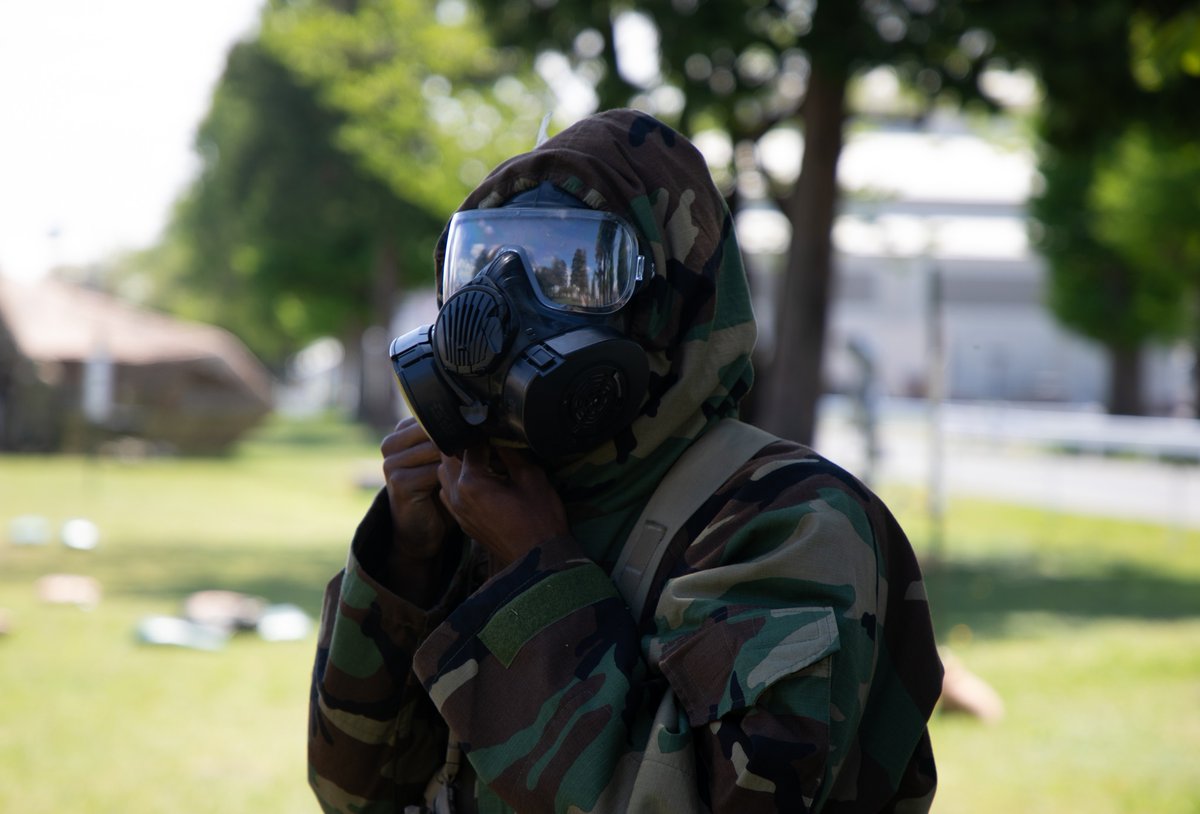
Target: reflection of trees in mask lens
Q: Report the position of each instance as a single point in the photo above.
(579, 278)
(606, 246)
(552, 278)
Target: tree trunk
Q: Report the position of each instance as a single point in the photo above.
(794, 381)
(377, 404)
(1125, 380)
(1194, 407)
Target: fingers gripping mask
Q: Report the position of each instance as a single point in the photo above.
(528, 346)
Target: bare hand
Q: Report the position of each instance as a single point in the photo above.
(410, 465)
(508, 513)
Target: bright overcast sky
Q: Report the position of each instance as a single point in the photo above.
(99, 100)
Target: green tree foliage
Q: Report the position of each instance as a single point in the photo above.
(747, 67)
(1147, 199)
(1165, 48)
(424, 104)
(579, 271)
(1091, 287)
(337, 143)
(427, 104)
(283, 237)
(1147, 205)
(1093, 75)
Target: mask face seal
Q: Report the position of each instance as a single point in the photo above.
(528, 351)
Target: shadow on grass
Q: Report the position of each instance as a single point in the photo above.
(985, 594)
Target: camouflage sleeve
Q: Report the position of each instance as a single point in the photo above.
(765, 682)
(374, 738)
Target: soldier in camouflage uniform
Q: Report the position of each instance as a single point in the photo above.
(785, 659)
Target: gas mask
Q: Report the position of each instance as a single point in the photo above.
(528, 347)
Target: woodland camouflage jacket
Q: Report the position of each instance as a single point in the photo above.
(786, 661)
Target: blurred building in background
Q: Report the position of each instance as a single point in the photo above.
(78, 368)
(937, 281)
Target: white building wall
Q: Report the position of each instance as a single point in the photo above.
(1000, 342)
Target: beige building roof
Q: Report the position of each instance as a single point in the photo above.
(55, 321)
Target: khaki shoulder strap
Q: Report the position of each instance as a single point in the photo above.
(700, 471)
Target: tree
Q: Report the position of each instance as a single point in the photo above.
(428, 105)
(1166, 48)
(285, 233)
(579, 271)
(336, 144)
(1090, 286)
(1094, 87)
(748, 67)
(283, 237)
(1147, 205)
(1081, 56)
(1148, 198)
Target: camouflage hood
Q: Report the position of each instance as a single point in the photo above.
(693, 317)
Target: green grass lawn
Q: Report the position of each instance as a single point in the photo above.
(92, 721)
(1089, 629)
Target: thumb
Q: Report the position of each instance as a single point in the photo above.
(475, 459)
(520, 468)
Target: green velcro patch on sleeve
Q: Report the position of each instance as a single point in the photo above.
(541, 606)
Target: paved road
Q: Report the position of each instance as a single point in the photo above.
(1021, 471)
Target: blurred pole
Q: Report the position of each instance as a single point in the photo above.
(377, 386)
(96, 396)
(936, 359)
(97, 388)
(866, 405)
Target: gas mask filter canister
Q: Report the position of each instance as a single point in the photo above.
(527, 347)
